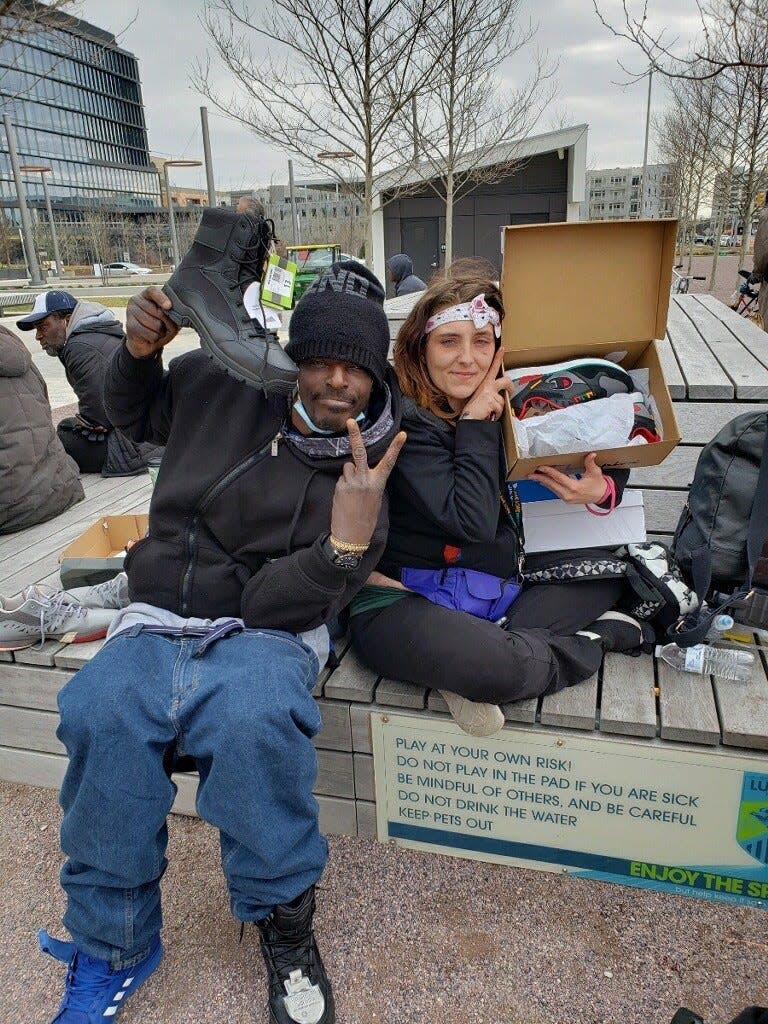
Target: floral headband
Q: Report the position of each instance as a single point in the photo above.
(478, 311)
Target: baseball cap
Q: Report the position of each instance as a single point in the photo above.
(45, 304)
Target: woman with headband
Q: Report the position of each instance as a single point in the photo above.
(447, 607)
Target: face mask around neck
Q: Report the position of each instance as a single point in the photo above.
(298, 405)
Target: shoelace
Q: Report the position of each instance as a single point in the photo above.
(251, 263)
(287, 952)
(108, 591)
(84, 986)
(54, 609)
(254, 256)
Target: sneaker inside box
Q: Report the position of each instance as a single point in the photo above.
(590, 313)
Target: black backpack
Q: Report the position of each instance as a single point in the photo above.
(724, 524)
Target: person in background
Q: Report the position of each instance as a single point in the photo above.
(760, 264)
(84, 336)
(400, 273)
(38, 480)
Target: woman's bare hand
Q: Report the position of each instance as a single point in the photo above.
(487, 403)
(587, 490)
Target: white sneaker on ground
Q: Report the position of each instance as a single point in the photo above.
(474, 718)
(110, 594)
(35, 616)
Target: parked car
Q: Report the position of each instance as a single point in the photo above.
(127, 268)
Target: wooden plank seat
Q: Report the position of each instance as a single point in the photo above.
(635, 699)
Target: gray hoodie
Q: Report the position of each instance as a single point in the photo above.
(406, 281)
(93, 334)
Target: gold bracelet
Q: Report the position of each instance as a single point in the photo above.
(344, 548)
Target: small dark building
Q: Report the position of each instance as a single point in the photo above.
(546, 184)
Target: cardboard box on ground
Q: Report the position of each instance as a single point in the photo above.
(97, 555)
(591, 289)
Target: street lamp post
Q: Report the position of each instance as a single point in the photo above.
(645, 147)
(342, 154)
(42, 171)
(36, 277)
(171, 218)
(295, 226)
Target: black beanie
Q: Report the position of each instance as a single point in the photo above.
(341, 316)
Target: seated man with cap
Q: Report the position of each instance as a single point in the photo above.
(84, 336)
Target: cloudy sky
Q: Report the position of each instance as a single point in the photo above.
(167, 37)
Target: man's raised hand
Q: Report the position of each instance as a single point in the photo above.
(148, 327)
(360, 489)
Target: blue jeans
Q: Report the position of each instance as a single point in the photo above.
(245, 712)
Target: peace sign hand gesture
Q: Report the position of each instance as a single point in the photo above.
(487, 403)
(360, 489)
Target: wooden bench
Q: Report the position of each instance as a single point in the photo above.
(10, 300)
(717, 365)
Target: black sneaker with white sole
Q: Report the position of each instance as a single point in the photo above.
(228, 253)
(299, 989)
(570, 383)
(620, 633)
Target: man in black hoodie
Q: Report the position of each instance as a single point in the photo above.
(265, 520)
(400, 273)
(84, 336)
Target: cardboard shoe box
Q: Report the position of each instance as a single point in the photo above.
(591, 289)
(97, 555)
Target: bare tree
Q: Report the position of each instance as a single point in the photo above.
(20, 22)
(688, 136)
(720, 20)
(103, 231)
(187, 223)
(27, 17)
(753, 129)
(333, 86)
(465, 123)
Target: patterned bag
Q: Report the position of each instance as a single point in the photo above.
(659, 594)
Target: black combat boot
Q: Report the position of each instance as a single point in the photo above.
(299, 989)
(228, 253)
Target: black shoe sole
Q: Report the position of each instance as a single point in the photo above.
(183, 316)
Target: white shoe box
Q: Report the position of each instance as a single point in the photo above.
(553, 525)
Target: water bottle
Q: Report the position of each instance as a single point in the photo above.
(720, 624)
(705, 660)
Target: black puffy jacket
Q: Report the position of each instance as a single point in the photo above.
(38, 480)
(93, 337)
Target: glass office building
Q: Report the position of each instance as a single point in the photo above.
(74, 98)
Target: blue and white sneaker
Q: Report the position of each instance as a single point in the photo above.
(95, 992)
